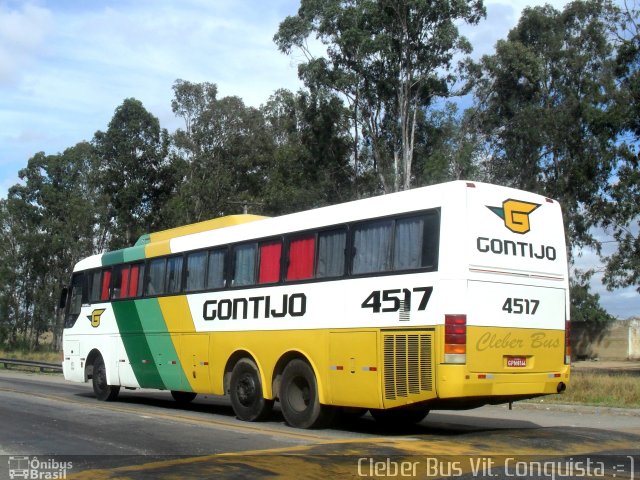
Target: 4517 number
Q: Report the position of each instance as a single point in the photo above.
(392, 300)
(520, 306)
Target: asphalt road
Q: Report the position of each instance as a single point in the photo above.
(51, 426)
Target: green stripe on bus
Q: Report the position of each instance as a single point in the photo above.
(133, 254)
(161, 345)
(112, 258)
(136, 345)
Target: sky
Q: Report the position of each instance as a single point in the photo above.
(66, 65)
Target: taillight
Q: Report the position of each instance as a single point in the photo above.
(455, 339)
(567, 342)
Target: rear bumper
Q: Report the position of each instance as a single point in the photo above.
(456, 381)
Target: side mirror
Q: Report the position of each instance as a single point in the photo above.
(63, 298)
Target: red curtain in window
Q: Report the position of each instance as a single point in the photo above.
(270, 262)
(133, 282)
(301, 253)
(124, 282)
(106, 280)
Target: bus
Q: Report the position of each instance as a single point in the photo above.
(451, 296)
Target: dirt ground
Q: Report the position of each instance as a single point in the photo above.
(609, 365)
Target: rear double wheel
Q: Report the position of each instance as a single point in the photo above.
(103, 391)
(299, 399)
(245, 390)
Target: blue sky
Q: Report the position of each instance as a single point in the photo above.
(66, 65)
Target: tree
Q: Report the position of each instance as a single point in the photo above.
(545, 103)
(49, 222)
(223, 153)
(310, 165)
(390, 59)
(134, 172)
(620, 208)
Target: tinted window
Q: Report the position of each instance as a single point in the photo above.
(155, 277)
(94, 285)
(174, 275)
(331, 252)
(196, 266)
(415, 244)
(244, 264)
(216, 271)
(372, 247)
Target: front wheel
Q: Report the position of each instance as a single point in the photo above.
(246, 392)
(299, 400)
(104, 392)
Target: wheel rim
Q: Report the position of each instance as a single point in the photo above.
(246, 390)
(299, 394)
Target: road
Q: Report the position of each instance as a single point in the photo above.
(145, 434)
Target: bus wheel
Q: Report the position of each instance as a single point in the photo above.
(401, 416)
(183, 397)
(103, 391)
(299, 397)
(246, 392)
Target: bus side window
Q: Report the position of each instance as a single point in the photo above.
(140, 283)
(134, 277)
(300, 258)
(415, 243)
(330, 259)
(155, 277)
(120, 281)
(74, 305)
(174, 274)
(94, 286)
(196, 270)
(270, 255)
(372, 247)
(106, 282)
(244, 264)
(216, 277)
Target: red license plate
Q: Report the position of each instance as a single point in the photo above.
(516, 361)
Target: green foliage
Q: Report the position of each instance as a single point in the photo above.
(546, 101)
(585, 306)
(389, 59)
(132, 168)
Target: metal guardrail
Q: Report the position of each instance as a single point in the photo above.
(43, 366)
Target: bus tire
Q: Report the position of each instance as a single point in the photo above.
(299, 399)
(103, 391)
(183, 397)
(400, 416)
(246, 392)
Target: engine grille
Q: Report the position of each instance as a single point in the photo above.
(408, 368)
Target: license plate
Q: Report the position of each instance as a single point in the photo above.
(516, 361)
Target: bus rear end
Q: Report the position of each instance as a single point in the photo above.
(506, 337)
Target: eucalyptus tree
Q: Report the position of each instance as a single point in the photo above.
(133, 171)
(390, 59)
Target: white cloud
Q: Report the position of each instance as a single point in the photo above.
(22, 36)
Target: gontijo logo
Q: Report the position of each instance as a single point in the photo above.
(515, 214)
(95, 317)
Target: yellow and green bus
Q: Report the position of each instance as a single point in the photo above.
(451, 296)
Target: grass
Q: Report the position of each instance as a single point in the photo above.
(599, 389)
(41, 356)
